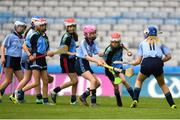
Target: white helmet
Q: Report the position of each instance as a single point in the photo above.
(17, 23)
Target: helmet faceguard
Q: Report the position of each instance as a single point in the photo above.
(150, 31)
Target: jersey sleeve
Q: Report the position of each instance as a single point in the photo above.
(7, 41)
(165, 49)
(66, 40)
(106, 53)
(140, 50)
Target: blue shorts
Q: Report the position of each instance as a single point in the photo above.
(12, 62)
(82, 65)
(26, 65)
(152, 66)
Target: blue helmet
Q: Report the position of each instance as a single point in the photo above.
(150, 31)
(34, 18)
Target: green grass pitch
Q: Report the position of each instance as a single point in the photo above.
(107, 109)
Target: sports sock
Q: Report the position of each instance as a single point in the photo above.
(39, 96)
(86, 93)
(118, 97)
(169, 98)
(57, 89)
(136, 93)
(73, 98)
(93, 97)
(2, 92)
(130, 91)
(45, 100)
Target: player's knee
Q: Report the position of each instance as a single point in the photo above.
(98, 84)
(93, 92)
(116, 87)
(116, 91)
(74, 82)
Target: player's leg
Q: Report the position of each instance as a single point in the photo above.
(14, 97)
(93, 81)
(44, 76)
(19, 94)
(126, 84)
(137, 89)
(165, 89)
(73, 82)
(74, 88)
(117, 95)
(39, 99)
(36, 75)
(6, 82)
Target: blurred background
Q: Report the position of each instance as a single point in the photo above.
(129, 17)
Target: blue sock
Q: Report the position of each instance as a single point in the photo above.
(136, 93)
(130, 91)
(73, 98)
(169, 98)
(93, 97)
(45, 100)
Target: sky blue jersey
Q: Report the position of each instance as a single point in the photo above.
(87, 49)
(156, 49)
(13, 44)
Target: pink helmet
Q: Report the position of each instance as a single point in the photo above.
(89, 29)
(115, 36)
(69, 22)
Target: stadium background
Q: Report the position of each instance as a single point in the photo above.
(129, 17)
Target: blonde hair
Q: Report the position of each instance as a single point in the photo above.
(152, 39)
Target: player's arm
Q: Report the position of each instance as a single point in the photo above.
(5, 44)
(26, 49)
(3, 54)
(92, 59)
(129, 53)
(67, 41)
(166, 52)
(137, 61)
(166, 57)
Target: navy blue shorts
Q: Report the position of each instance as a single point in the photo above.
(12, 62)
(82, 65)
(39, 64)
(110, 75)
(152, 66)
(67, 64)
